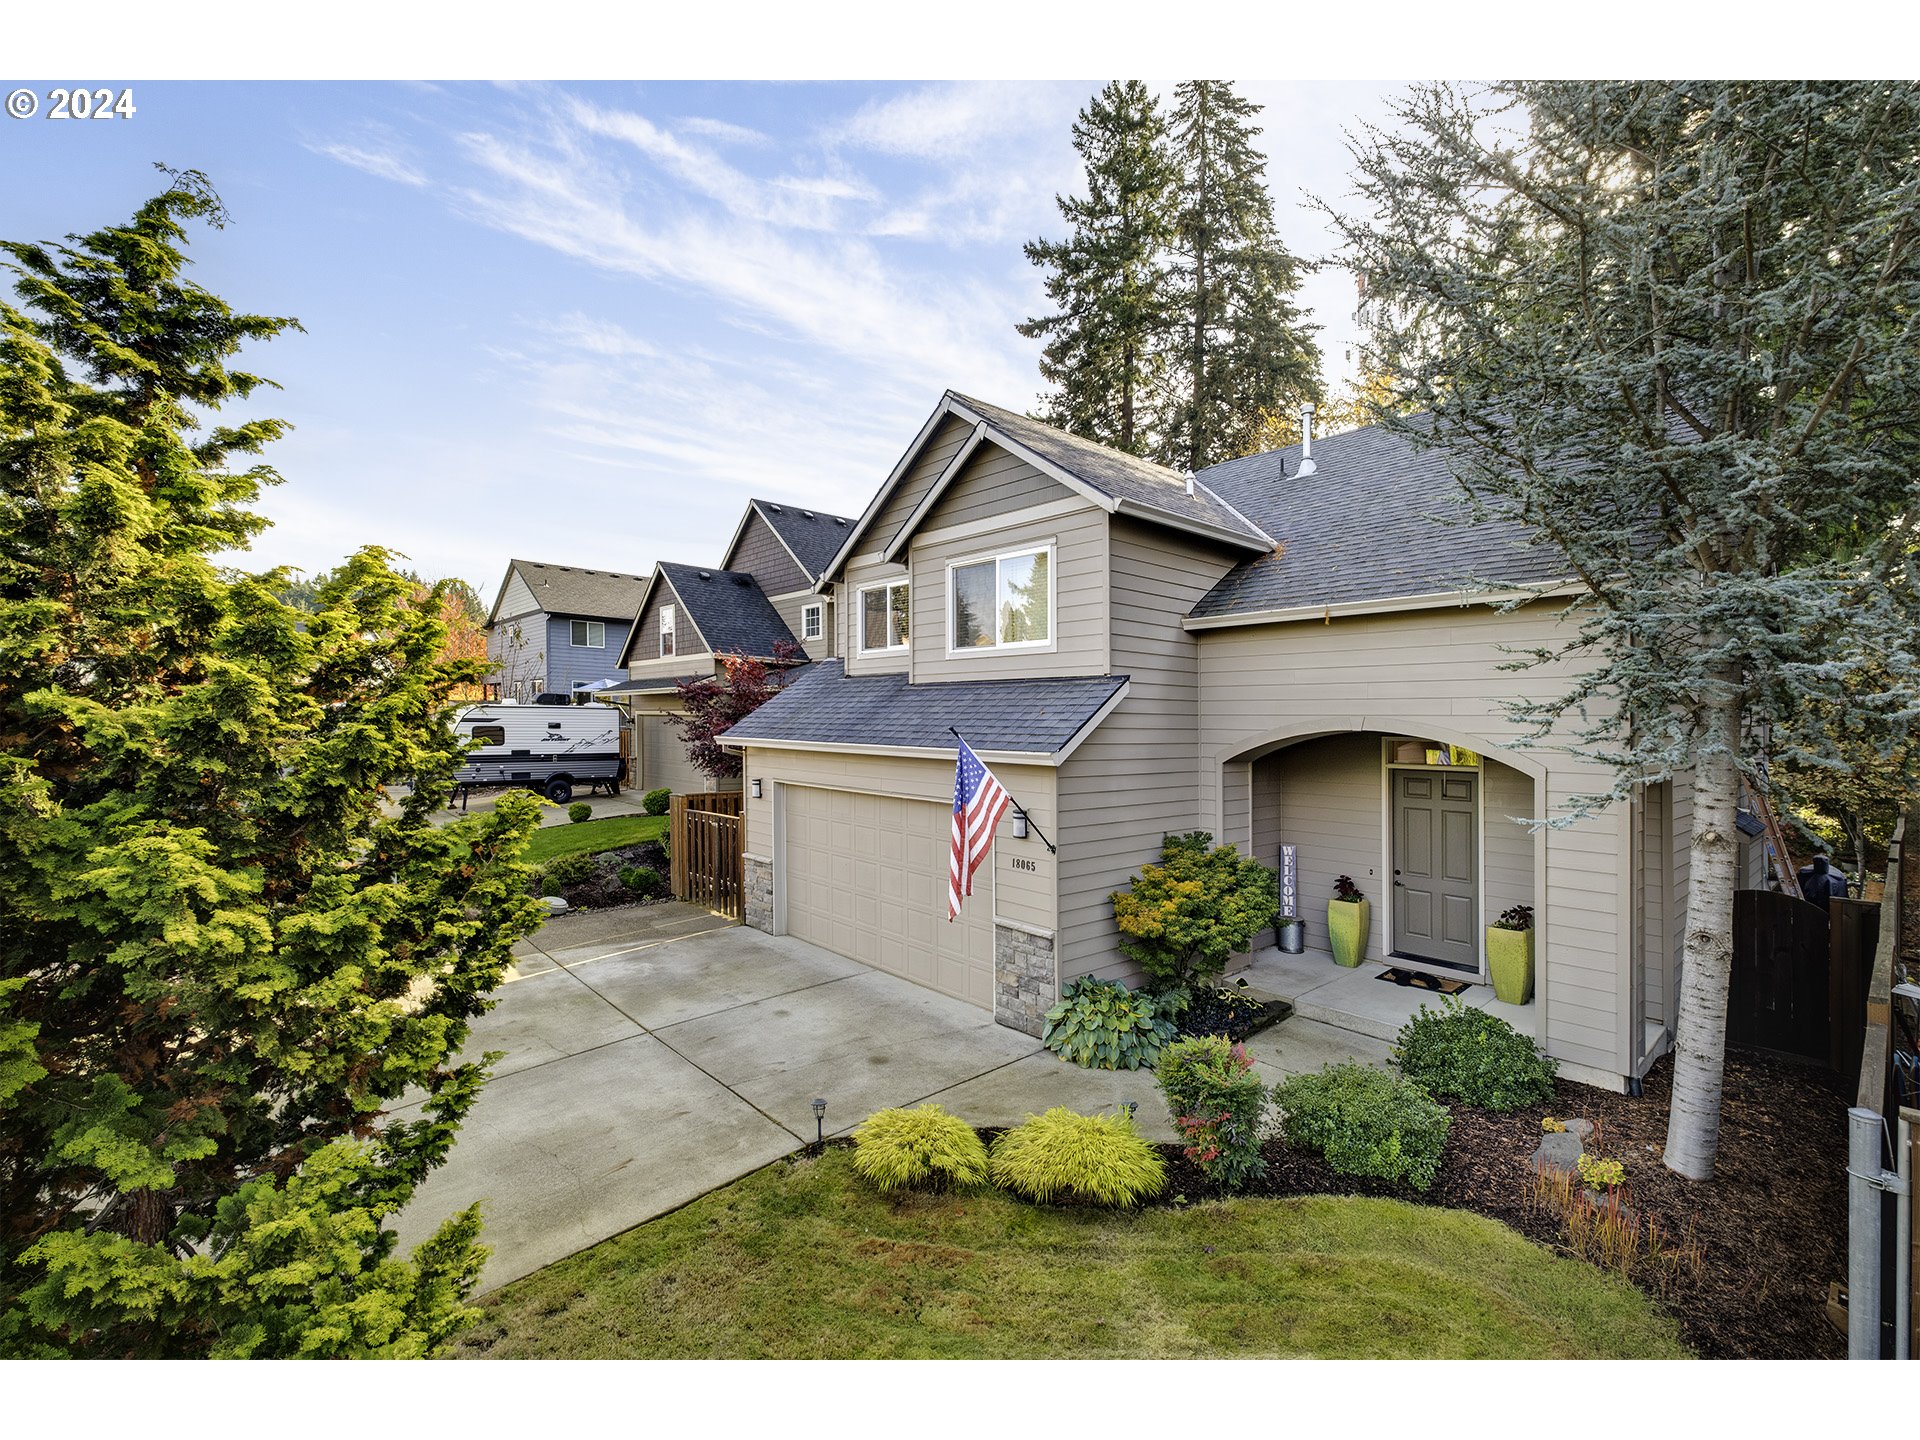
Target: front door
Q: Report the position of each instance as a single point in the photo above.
(1436, 877)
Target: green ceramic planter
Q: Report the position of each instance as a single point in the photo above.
(1348, 922)
(1510, 959)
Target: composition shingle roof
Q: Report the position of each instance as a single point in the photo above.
(571, 590)
(728, 609)
(813, 536)
(826, 706)
(1140, 483)
(1378, 519)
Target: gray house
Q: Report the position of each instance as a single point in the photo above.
(759, 598)
(1277, 650)
(559, 628)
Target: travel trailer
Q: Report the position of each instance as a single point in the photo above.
(549, 748)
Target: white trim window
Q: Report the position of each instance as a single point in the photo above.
(666, 631)
(1001, 602)
(883, 618)
(813, 620)
(587, 634)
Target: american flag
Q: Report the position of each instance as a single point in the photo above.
(979, 801)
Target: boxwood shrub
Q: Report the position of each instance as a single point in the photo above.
(1365, 1122)
(1102, 1025)
(655, 802)
(1460, 1053)
(1077, 1159)
(921, 1148)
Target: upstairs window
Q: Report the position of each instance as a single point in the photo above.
(883, 618)
(589, 634)
(1001, 602)
(666, 630)
(812, 621)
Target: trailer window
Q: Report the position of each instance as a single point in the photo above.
(490, 734)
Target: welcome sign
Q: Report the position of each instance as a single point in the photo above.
(1289, 882)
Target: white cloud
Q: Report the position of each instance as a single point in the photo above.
(375, 162)
(725, 131)
(939, 121)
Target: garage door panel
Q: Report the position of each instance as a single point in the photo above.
(866, 877)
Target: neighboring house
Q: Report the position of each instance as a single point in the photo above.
(761, 594)
(1270, 651)
(559, 628)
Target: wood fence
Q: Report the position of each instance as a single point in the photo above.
(1800, 977)
(705, 841)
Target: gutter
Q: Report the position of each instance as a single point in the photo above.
(1387, 605)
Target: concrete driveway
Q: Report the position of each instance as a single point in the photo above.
(655, 1052)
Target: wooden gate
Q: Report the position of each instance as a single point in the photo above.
(1799, 976)
(708, 857)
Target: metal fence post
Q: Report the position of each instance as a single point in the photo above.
(1863, 1233)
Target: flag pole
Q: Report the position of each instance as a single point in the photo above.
(1051, 850)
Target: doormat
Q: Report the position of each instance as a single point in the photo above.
(1420, 980)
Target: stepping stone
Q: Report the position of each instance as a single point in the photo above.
(1559, 1153)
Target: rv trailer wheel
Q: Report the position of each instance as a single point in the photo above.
(560, 789)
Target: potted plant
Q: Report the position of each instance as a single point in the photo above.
(1290, 934)
(1349, 918)
(1510, 955)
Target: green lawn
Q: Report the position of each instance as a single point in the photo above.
(803, 1260)
(590, 837)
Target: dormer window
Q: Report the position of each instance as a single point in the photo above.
(666, 630)
(813, 621)
(1001, 602)
(883, 618)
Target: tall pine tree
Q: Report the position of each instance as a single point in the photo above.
(1106, 344)
(223, 959)
(1238, 348)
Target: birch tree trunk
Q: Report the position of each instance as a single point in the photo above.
(1700, 1032)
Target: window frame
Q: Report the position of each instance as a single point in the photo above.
(489, 735)
(668, 637)
(587, 644)
(1049, 548)
(813, 620)
(901, 582)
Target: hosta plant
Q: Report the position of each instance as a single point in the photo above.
(1077, 1159)
(921, 1148)
(1102, 1025)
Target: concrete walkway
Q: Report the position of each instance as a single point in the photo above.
(653, 1053)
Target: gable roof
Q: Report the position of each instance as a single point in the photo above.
(1118, 483)
(825, 708)
(726, 609)
(812, 537)
(570, 590)
(1379, 519)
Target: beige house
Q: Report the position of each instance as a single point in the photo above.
(1279, 650)
(760, 596)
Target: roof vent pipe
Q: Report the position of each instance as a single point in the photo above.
(1189, 482)
(1306, 441)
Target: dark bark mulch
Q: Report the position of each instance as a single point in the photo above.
(1770, 1228)
(1230, 1012)
(604, 889)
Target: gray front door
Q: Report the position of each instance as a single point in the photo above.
(1436, 879)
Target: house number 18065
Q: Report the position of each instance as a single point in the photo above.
(1025, 865)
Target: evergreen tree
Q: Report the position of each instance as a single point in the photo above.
(1239, 348)
(1675, 328)
(221, 958)
(1105, 346)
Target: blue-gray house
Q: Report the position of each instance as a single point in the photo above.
(559, 628)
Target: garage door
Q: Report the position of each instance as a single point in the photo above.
(866, 877)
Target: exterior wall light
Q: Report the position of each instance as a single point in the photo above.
(1019, 824)
(755, 782)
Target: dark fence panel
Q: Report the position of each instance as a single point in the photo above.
(1778, 998)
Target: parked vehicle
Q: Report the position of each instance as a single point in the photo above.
(542, 747)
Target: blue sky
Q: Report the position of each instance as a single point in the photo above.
(584, 323)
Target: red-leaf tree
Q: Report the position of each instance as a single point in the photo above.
(712, 707)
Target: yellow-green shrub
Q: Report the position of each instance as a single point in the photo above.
(924, 1146)
(1089, 1159)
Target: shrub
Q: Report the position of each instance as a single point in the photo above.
(643, 880)
(1182, 918)
(655, 802)
(1103, 1025)
(571, 869)
(924, 1146)
(1215, 1100)
(579, 811)
(1460, 1053)
(1084, 1159)
(1365, 1122)
(546, 883)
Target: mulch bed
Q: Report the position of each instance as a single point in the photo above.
(1230, 1012)
(603, 889)
(1771, 1226)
